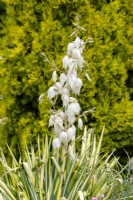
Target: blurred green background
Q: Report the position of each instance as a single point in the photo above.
(30, 27)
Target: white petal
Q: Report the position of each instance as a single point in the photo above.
(63, 137)
(70, 47)
(72, 71)
(59, 87)
(70, 150)
(70, 134)
(77, 42)
(80, 123)
(87, 76)
(72, 100)
(76, 53)
(62, 115)
(51, 120)
(52, 92)
(56, 143)
(63, 78)
(71, 80)
(58, 121)
(71, 116)
(65, 91)
(74, 129)
(80, 62)
(73, 108)
(65, 99)
(77, 86)
(65, 62)
(54, 76)
(58, 129)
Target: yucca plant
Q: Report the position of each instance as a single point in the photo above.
(52, 174)
(56, 170)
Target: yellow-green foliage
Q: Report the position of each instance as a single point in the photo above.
(31, 27)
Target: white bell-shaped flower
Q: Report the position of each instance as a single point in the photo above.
(65, 99)
(74, 129)
(80, 123)
(62, 115)
(76, 53)
(71, 80)
(54, 76)
(63, 137)
(70, 47)
(56, 143)
(71, 116)
(77, 86)
(73, 108)
(80, 63)
(58, 120)
(52, 92)
(63, 78)
(70, 133)
(72, 71)
(58, 129)
(65, 62)
(58, 85)
(77, 42)
(65, 90)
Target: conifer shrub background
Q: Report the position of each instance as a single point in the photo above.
(31, 27)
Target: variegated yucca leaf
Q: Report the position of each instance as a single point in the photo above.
(49, 174)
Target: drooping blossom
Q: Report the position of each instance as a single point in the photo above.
(67, 84)
(80, 123)
(52, 92)
(54, 76)
(63, 78)
(56, 143)
(70, 133)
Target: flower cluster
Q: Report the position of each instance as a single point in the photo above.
(68, 83)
